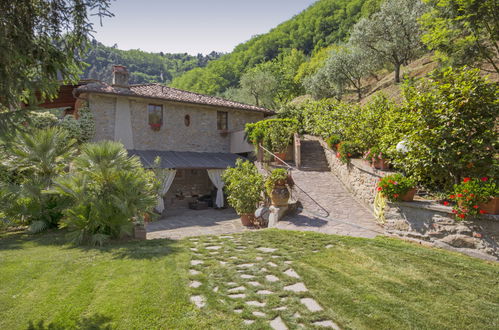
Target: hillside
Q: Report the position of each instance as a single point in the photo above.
(324, 23)
(144, 67)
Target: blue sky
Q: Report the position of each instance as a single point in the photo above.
(191, 26)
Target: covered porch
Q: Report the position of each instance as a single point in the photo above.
(190, 180)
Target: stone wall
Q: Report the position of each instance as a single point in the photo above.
(201, 135)
(420, 220)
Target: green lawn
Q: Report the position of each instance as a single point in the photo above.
(359, 283)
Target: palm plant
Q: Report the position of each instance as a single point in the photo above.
(36, 157)
(109, 191)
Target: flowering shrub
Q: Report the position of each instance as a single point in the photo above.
(333, 140)
(470, 194)
(395, 186)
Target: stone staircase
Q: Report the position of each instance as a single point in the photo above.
(313, 157)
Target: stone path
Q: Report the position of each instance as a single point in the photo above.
(260, 295)
(180, 223)
(346, 215)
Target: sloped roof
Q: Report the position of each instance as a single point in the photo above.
(186, 159)
(157, 91)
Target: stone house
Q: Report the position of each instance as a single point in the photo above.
(196, 136)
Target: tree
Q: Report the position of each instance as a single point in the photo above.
(463, 31)
(261, 85)
(41, 44)
(345, 67)
(391, 35)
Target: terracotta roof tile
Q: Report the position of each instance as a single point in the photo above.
(158, 91)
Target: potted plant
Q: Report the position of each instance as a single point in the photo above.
(155, 126)
(275, 186)
(374, 156)
(244, 187)
(333, 141)
(280, 138)
(397, 187)
(346, 150)
(474, 196)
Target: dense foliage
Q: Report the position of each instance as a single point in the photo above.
(322, 24)
(108, 191)
(42, 42)
(144, 67)
(273, 134)
(447, 125)
(463, 31)
(244, 186)
(32, 161)
(277, 176)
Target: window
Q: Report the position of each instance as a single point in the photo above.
(187, 120)
(222, 122)
(155, 112)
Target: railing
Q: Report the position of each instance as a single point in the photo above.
(296, 190)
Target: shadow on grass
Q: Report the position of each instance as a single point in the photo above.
(93, 322)
(123, 249)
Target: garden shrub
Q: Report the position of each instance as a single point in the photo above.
(278, 174)
(34, 159)
(274, 134)
(108, 190)
(244, 186)
(81, 129)
(454, 133)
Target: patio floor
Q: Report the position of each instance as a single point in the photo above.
(180, 223)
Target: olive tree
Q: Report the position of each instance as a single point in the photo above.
(463, 31)
(393, 34)
(345, 68)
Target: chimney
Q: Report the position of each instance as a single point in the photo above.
(120, 76)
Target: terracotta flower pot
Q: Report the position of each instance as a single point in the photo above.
(279, 195)
(281, 155)
(491, 207)
(247, 219)
(381, 164)
(409, 196)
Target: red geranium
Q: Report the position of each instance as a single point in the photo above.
(484, 179)
(379, 188)
(459, 195)
(466, 179)
(483, 212)
(475, 206)
(461, 215)
(446, 203)
(452, 196)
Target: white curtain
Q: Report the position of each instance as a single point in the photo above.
(216, 178)
(165, 186)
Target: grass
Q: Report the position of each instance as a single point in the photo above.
(360, 283)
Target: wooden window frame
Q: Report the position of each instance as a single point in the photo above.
(222, 120)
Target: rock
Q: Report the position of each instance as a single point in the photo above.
(460, 241)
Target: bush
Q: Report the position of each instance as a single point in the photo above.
(454, 133)
(395, 186)
(109, 191)
(274, 134)
(470, 193)
(81, 129)
(347, 150)
(244, 186)
(333, 140)
(34, 159)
